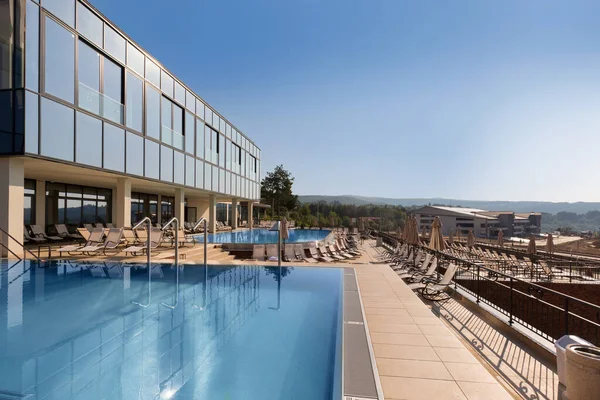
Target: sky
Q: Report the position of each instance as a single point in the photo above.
(463, 99)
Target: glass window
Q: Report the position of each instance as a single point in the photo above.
(199, 174)
(215, 179)
(135, 59)
(178, 119)
(152, 112)
(135, 154)
(59, 79)
(189, 132)
(208, 116)
(221, 180)
(221, 150)
(151, 164)
(179, 168)
(166, 83)
(190, 101)
(29, 202)
(89, 78)
(63, 9)
(114, 148)
(166, 120)
(135, 102)
(152, 73)
(179, 93)
(207, 144)
(207, 176)
(112, 103)
(114, 43)
(200, 109)
(89, 25)
(32, 46)
(166, 164)
(88, 143)
(199, 138)
(189, 171)
(228, 130)
(57, 130)
(31, 123)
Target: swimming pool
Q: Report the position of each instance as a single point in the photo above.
(260, 236)
(109, 330)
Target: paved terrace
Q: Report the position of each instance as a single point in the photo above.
(422, 350)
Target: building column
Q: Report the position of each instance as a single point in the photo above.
(12, 199)
(212, 213)
(159, 211)
(179, 211)
(40, 203)
(234, 213)
(250, 214)
(122, 203)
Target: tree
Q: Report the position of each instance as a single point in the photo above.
(277, 190)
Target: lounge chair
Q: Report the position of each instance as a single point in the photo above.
(111, 243)
(64, 232)
(85, 234)
(426, 272)
(39, 232)
(129, 237)
(431, 289)
(272, 252)
(288, 253)
(319, 257)
(94, 239)
(99, 225)
(258, 252)
(32, 238)
(301, 255)
(142, 247)
(326, 250)
(342, 252)
(89, 227)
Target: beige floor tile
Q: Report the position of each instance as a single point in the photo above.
(438, 329)
(394, 328)
(421, 312)
(404, 352)
(417, 389)
(455, 355)
(433, 320)
(399, 338)
(392, 319)
(484, 391)
(398, 312)
(470, 372)
(383, 304)
(447, 340)
(412, 369)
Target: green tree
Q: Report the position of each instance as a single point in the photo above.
(277, 191)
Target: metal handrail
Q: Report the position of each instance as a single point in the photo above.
(176, 221)
(148, 259)
(197, 224)
(20, 244)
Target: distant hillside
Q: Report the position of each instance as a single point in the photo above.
(517, 206)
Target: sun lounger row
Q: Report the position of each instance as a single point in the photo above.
(333, 252)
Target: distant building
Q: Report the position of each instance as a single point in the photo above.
(483, 223)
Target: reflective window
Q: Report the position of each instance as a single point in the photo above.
(166, 164)
(114, 43)
(32, 46)
(207, 176)
(88, 143)
(29, 202)
(144, 205)
(179, 168)
(152, 112)
(63, 9)
(215, 179)
(135, 59)
(179, 93)
(135, 102)
(31, 123)
(172, 124)
(57, 135)
(74, 205)
(228, 130)
(189, 171)
(151, 162)
(89, 78)
(189, 132)
(199, 174)
(207, 144)
(200, 109)
(60, 62)
(114, 148)
(135, 154)
(166, 120)
(190, 101)
(112, 104)
(166, 83)
(221, 180)
(89, 25)
(152, 73)
(199, 138)
(208, 116)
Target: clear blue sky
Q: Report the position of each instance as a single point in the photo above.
(468, 99)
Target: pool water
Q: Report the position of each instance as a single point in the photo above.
(260, 236)
(114, 331)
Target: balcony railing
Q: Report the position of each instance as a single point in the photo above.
(172, 138)
(98, 103)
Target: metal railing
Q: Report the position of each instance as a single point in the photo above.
(26, 250)
(175, 221)
(148, 221)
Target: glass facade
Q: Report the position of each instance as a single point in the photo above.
(144, 205)
(75, 205)
(29, 202)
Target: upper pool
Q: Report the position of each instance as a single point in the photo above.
(115, 331)
(261, 236)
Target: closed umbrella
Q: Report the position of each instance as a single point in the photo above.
(550, 244)
(285, 234)
(501, 238)
(531, 246)
(436, 240)
(458, 238)
(470, 239)
(451, 238)
(423, 232)
(399, 233)
(415, 231)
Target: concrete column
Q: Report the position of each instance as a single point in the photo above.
(179, 211)
(122, 203)
(159, 211)
(234, 213)
(250, 214)
(12, 192)
(40, 203)
(212, 213)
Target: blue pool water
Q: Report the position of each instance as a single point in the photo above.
(260, 236)
(111, 331)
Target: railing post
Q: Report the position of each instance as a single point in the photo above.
(570, 271)
(478, 275)
(566, 315)
(510, 318)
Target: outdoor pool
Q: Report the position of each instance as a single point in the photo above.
(261, 236)
(115, 331)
